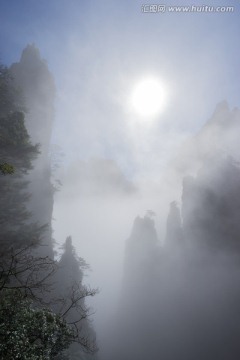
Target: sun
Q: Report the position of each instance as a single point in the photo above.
(148, 97)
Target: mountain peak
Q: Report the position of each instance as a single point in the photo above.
(30, 53)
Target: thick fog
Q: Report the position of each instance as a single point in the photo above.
(152, 203)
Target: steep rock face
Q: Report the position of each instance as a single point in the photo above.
(211, 206)
(69, 286)
(32, 77)
(174, 234)
(141, 259)
(211, 212)
(141, 253)
(31, 74)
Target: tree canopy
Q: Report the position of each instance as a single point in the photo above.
(32, 326)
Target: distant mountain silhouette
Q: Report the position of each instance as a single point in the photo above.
(181, 300)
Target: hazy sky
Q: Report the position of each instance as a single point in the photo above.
(97, 52)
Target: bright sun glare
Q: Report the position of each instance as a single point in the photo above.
(148, 97)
